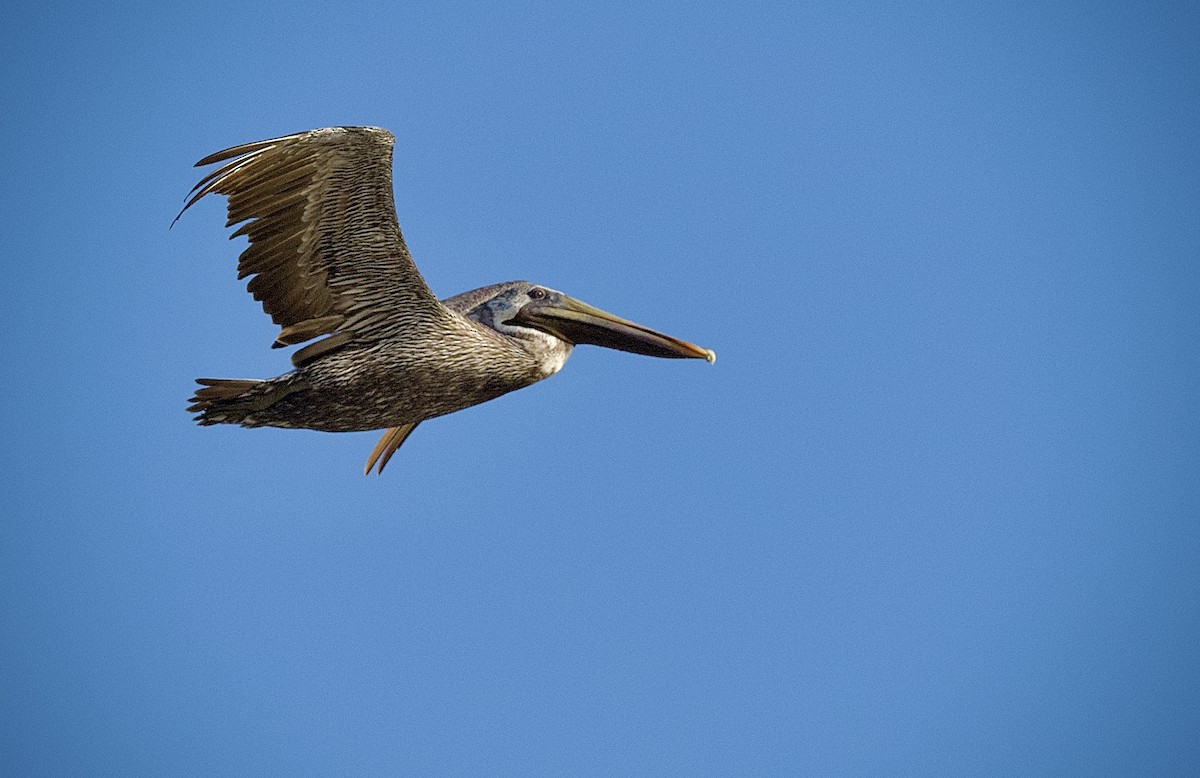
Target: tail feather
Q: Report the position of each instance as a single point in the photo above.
(232, 400)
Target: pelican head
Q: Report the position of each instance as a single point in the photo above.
(534, 313)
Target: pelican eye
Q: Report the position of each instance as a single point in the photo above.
(536, 294)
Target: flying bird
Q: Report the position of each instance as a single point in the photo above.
(330, 267)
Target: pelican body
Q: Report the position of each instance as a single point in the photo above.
(330, 266)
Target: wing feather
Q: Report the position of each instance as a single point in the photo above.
(392, 439)
(326, 254)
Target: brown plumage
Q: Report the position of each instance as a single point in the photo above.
(330, 266)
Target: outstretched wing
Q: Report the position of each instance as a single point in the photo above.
(326, 253)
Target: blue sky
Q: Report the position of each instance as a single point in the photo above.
(932, 512)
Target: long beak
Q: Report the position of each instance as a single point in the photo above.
(577, 322)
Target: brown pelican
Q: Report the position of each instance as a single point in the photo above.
(328, 261)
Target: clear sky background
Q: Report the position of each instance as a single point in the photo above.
(934, 511)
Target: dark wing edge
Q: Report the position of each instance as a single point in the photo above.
(326, 254)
